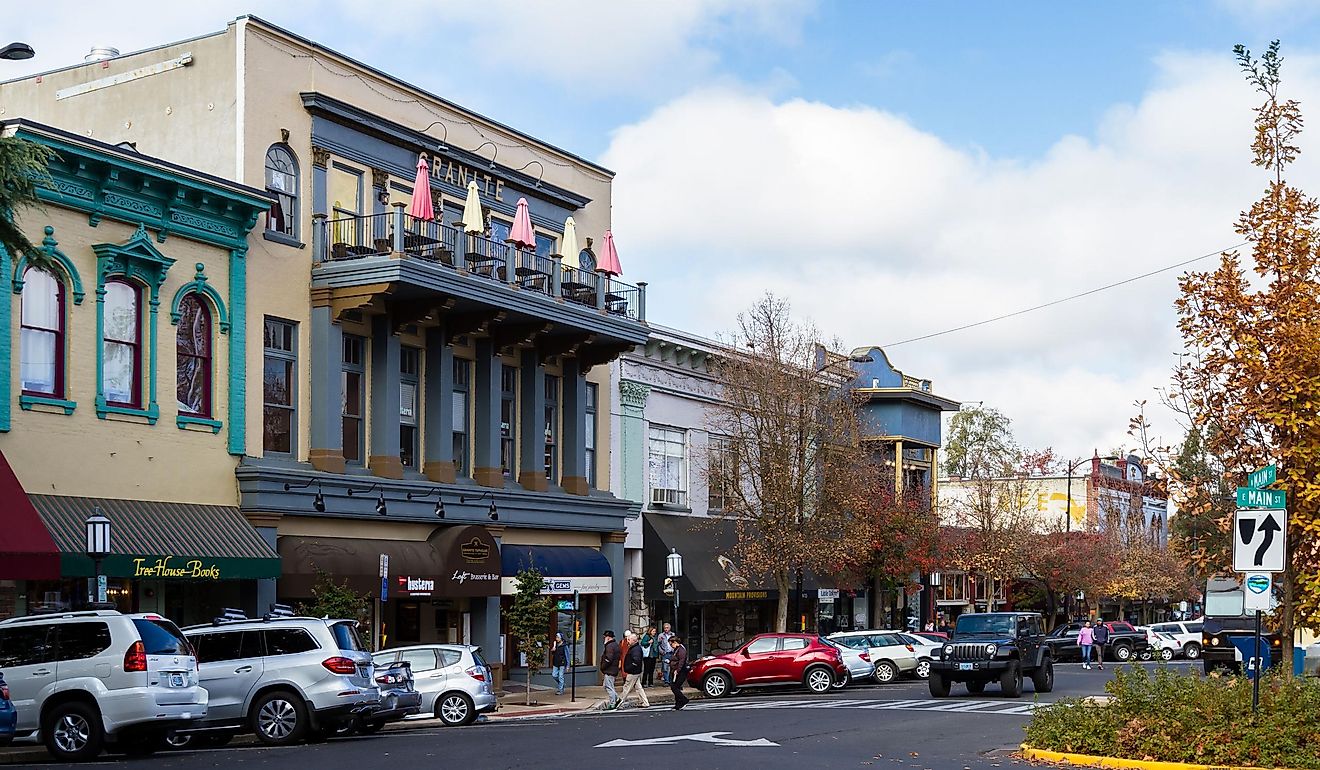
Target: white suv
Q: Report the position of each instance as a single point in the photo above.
(99, 679)
(1188, 634)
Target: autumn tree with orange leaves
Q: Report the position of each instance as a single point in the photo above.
(1250, 381)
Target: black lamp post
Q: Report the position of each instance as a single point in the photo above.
(98, 547)
(674, 571)
(17, 51)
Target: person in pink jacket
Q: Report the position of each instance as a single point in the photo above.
(1086, 638)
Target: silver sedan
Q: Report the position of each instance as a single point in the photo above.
(453, 679)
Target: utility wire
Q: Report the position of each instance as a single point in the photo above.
(1069, 298)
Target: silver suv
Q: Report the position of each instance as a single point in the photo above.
(454, 680)
(281, 677)
(100, 679)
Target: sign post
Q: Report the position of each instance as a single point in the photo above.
(384, 597)
(1260, 548)
(572, 694)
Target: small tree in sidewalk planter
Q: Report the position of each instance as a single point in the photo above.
(528, 617)
(336, 600)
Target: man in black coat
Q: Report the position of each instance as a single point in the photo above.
(633, 666)
(680, 667)
(609, 666)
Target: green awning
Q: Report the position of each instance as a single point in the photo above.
(155, 540)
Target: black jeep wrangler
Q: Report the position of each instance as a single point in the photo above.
(994, 646)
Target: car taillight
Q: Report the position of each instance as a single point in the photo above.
(477, 673)
(4, 692)
(339, 665)
(136, 657)
(866, 656)
(909, 648)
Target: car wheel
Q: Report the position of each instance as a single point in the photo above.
(923, 668)
(1166, 654)
(1192, 651)
(715, 684)
(976, 688)
(885, 672)
(843, 681)
(73, 731)
(1042, 679)
(939, 686)
(175, 740)
(278, 718)
(1146, 655)
(368, 728)
(455, 709)
(1010, 682)
(1122, 653)
(819, 680)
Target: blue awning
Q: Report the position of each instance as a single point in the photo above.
(565, 561)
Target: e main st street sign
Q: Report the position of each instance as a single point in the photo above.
(1261, 498)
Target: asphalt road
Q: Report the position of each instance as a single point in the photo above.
(890, 726)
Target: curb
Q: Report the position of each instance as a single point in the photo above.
(1091, 760)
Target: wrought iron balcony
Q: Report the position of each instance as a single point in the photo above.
(397, 235)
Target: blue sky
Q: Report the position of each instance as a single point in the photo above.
(893, 168)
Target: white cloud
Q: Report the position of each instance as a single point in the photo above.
(880, 232)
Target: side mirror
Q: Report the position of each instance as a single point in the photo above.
(745, 653)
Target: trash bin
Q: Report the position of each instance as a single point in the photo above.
(1299, 661)
(497, 677)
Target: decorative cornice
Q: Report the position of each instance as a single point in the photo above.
(379, 178)
(320, 157)
(633, 394)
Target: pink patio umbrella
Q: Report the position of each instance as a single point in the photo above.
(608, 261)
(521, 234)
(421, 207)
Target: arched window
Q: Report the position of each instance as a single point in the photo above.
(41, 341)
(121, 373)
(282, 182)
(192, 349)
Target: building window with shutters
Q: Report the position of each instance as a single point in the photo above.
(409, 359)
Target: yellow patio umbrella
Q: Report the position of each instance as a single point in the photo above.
(473, 221)
(568, 245)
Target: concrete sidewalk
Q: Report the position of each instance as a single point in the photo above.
(513, 701)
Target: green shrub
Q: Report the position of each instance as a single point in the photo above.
(1173, 717)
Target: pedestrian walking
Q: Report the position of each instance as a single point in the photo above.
(1101, 636)
(609, 666)
(649, 650)
(679, 671)
(1086, 639)
(558, 661)
(632, 671)
(665, 645)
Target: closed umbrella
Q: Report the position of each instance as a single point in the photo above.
(521, 234)
(422, 208)
(608, 261)
(473, 221)
(568, 245)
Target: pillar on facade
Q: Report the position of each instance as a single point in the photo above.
(486, 469)
(383, 459)
(612, 608)
(486, 612)
(632, 438)
(326, 452)
(438, 409)
(267, 527)
(898, 467)
(573, 443)
(531, 432)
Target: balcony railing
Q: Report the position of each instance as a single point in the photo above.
(350, 237)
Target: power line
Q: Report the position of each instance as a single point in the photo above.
(1069, 298)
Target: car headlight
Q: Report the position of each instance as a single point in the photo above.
(991, 649)
(1214, 641)
(948, 650)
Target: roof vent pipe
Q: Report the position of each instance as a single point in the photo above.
(101, 53)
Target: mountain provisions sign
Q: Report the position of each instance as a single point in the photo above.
(1260, 539)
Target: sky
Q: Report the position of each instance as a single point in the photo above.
(893, 169)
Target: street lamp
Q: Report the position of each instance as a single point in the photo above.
(98, 546)
(674, 571)
(17, 51)
(1067, 517)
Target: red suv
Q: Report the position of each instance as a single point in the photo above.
(770, 659)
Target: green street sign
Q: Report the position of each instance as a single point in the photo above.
(1261, 498)
(1263, 477)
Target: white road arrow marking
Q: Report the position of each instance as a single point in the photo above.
(697, 737)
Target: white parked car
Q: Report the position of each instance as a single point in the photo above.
(857, 660)
(891, 656)
(1159, 645)
(926, 651)
(1187, 633)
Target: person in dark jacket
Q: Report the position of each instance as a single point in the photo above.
(1101, 637)
(609, 666)
(679, 666)
(558, 662)
(633, 666)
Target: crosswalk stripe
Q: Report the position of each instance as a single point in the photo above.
(894, 704)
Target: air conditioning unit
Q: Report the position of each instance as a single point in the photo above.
(667, 496)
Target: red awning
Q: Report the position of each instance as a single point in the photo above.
(27, 551)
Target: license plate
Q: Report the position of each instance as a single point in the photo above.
(176, 680)
(965, 666)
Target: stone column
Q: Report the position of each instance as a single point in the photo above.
(531, 430)
(327, 353)
(573, 417)
(438, 409)
(486, 469)
(486, 613)
(383, 457)
(632, 438)
(612, 608)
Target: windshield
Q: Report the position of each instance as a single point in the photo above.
(1224, 604)
(161, 637)
(346, 636)
(997, 625)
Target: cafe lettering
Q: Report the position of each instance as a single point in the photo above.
(166, 568)
(450, 172)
